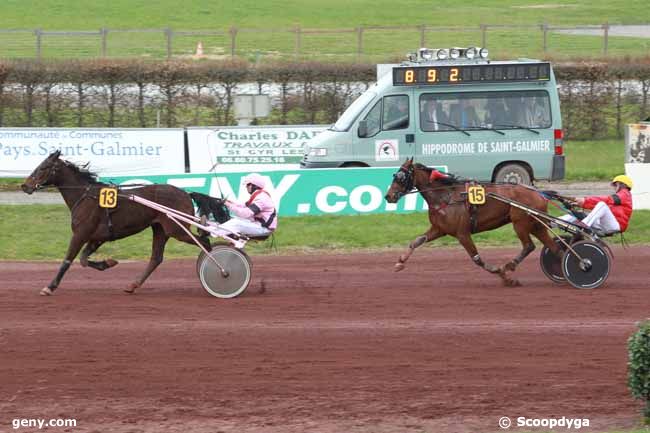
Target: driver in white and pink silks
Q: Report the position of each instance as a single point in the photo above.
(257, 217)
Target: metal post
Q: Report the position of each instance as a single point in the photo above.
(605, 38)
(422, 31)
(39, 41)
(359, 43)
(233, 36)
(104, 32)
(298, 41)
(545, 36)
(169, 34)
(484, 35)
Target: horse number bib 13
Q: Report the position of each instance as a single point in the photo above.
(476, 194)
(108, 197)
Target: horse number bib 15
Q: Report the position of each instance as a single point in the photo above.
(476, 194)
(108, 197)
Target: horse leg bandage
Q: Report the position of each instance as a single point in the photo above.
(62, 270)
(418, 241)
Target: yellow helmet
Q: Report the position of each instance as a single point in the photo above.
(625, 180)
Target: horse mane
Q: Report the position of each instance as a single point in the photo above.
(82, 171)
(419, 166)
(452, 180)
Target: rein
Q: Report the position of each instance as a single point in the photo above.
(119, 187)
(414, 190)
(406, 178)
(80, 199)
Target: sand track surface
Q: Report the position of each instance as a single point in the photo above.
(336, 343)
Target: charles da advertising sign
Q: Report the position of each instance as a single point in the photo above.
(254, 148)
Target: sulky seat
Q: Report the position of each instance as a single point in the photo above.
(606, 234)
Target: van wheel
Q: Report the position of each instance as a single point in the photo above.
(513, 173)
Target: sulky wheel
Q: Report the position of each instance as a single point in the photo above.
(551, 264)
(230, 277)
(199, 260)
(201, 256)
(588, 268)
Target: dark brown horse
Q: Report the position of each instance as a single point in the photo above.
(93, 225)
(449, 214)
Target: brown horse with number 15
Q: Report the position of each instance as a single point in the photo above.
(450, 215)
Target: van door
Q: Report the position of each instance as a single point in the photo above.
(385, 135)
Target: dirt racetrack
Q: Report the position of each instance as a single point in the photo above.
(336, 343)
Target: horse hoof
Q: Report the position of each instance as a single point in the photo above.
(399, 267)
(111, 262)
(512, 283)
(131, 288)
(46, 291)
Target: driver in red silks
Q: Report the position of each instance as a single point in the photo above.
(610, 213)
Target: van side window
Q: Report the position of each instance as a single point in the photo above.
(478, 110)
(433, 114)
(396, 112)
(528, 109)
(464, 114)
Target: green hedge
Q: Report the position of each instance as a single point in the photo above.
(639, 367)
(598, 98)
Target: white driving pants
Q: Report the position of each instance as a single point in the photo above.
(600, 218)
(245, 227)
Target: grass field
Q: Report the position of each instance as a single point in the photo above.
(591, 160)
(377, 44)
(594, 160)
(42, 232)
(202, 14)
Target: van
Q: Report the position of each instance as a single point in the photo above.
(455, 109)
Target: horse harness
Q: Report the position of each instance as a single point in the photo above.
(472, 209)
(404, 177)
(446, 199)
(87, 194)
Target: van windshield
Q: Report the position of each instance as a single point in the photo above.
(353, 111)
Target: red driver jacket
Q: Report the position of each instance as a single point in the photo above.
(619, 203)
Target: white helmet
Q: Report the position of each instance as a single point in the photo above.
(256, 179)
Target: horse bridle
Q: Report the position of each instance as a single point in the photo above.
(51, 172)
(404, 178)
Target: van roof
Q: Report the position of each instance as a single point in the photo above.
(459, 62)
